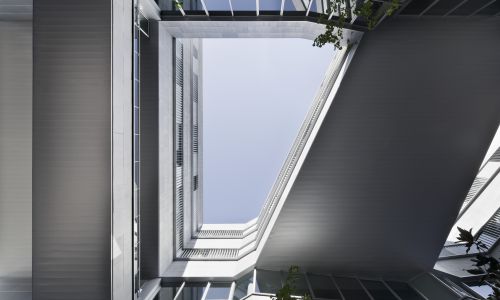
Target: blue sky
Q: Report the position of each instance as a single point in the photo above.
(256, 93)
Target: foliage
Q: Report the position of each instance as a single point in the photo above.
(334, 32)
(288, 291)
(178, 4)
(484, 264)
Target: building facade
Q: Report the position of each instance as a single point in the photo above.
(101, 184)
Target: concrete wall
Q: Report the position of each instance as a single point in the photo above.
(157, 231)
(15, 159)
(187, 138)
(397, 152)
(156, 152)
(122, 149)
(166, 146)
(81, 149)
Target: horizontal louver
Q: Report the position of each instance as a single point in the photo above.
(195, 182)
(179, 141)
(220, 234)
(195, 138)
(491, 231)
(496, 155)
(476, 187)
(212, 254)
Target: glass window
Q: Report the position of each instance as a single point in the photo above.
(137, 181)
(244, 286)
(136, 120)
(244, 5)
(323, 287)
(268, 281)
(316, 6)
(351, 289)
(218, 291)
(295, 5)
(301, 287)
(137, 149)
(136, 93)
(404, 291)
(192, 291)
(194, 5)
(167, 293)
(483, 290)
(378, 290)
(136, 66)
(270, 5)
(217, 5)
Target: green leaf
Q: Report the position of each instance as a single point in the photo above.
(394, 6)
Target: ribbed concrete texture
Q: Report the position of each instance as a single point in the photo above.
(15, 158)
(397, 152)
(72, 143)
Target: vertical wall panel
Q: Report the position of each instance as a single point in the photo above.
(122, 149)
(72, 149)
(15, 159)
(149, 153)
(166, 147)
(397, 152)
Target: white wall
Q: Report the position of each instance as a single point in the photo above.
(122, 149)
(165, 144)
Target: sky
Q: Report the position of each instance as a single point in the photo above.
(256, 94)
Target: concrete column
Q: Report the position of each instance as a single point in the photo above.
(166, 146)
(188, 135)
(122, 149)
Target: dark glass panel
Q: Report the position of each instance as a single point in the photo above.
(323, 287)
(268, 281)
(404, 291)
(351, 289)
(378, 290)
(218, 291)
